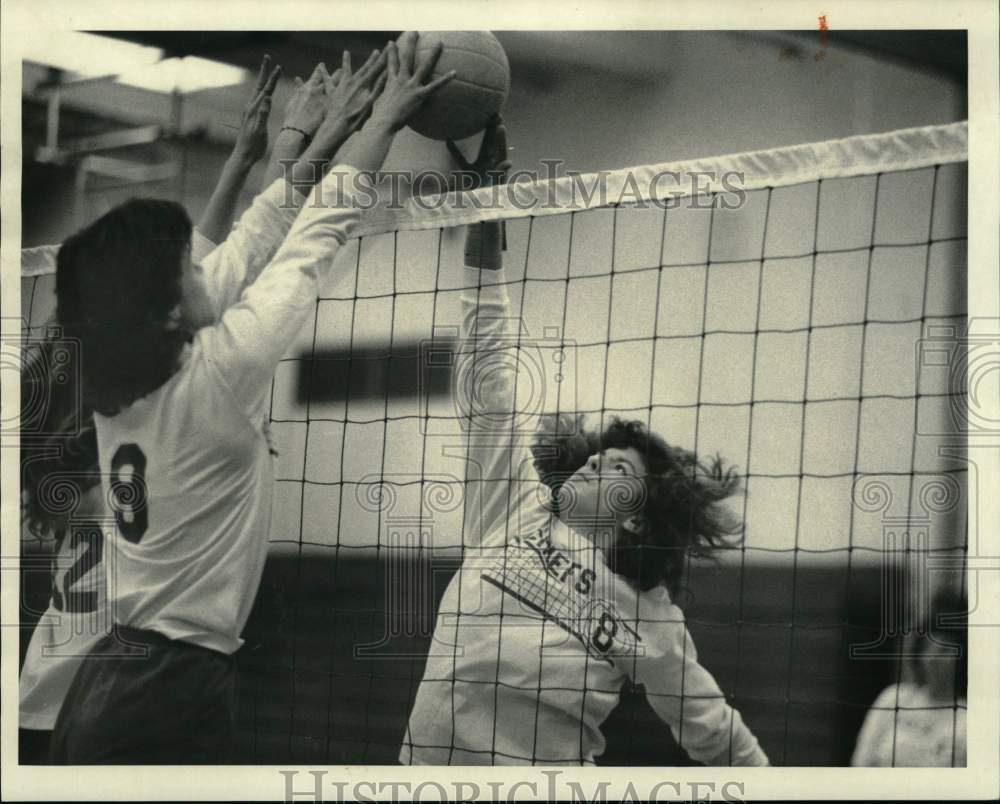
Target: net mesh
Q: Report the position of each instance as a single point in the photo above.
(799, 336)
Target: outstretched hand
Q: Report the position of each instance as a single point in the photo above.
(350, 95)
(251, 141)
(405, 88)
(491, 165)
(307, 105)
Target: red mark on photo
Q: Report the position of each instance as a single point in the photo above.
(823, 28)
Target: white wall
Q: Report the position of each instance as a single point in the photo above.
(704, 93)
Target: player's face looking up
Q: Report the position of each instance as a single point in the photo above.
(648, 504)
(608, 487)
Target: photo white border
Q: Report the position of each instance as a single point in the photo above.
(20, 19)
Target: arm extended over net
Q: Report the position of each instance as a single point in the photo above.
(252, 335)
(500, 481)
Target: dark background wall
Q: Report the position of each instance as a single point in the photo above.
(777, 643)
(776, 636)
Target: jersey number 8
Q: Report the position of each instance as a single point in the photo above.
(128, 492)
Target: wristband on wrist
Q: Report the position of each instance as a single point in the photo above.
(485, 243)
(305, 135)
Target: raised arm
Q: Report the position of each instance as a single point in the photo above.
(255, 332)
(685, 695)
(251, 144)
(309, 115)
(484, 399)
(244, 249)
(500, 478)
(303, 115)
(400, 92)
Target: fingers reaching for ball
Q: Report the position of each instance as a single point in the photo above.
(306, 106)
(406, 84)
(267, 78)
(407, 50)
(401, 85)
(251, 141)
(427, 68)
(404, 60)
(427, 63)
(349, 99)
(373, 67)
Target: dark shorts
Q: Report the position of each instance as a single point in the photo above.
(140, 698)
(33, 746)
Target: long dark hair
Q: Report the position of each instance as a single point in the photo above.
(58, 441)
(117, 283)
(683, 510)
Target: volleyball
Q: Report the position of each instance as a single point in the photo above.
(479, 90)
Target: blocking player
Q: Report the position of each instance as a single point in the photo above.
(561, 600)
(180, 405)
(61, 493)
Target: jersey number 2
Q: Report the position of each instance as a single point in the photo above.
(128, 489)
(66, 599)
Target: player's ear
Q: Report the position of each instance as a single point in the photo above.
(635, 524)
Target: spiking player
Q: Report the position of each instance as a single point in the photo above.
(557, 605)
(62, 457)
(180, 404)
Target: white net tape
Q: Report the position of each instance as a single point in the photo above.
(905, 149)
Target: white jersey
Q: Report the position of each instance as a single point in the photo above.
(907, 728)
(535, 636)
(191, 461)
(76, 617)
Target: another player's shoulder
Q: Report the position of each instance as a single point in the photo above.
(898, 695)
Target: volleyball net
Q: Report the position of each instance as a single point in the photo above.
(799, 311)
